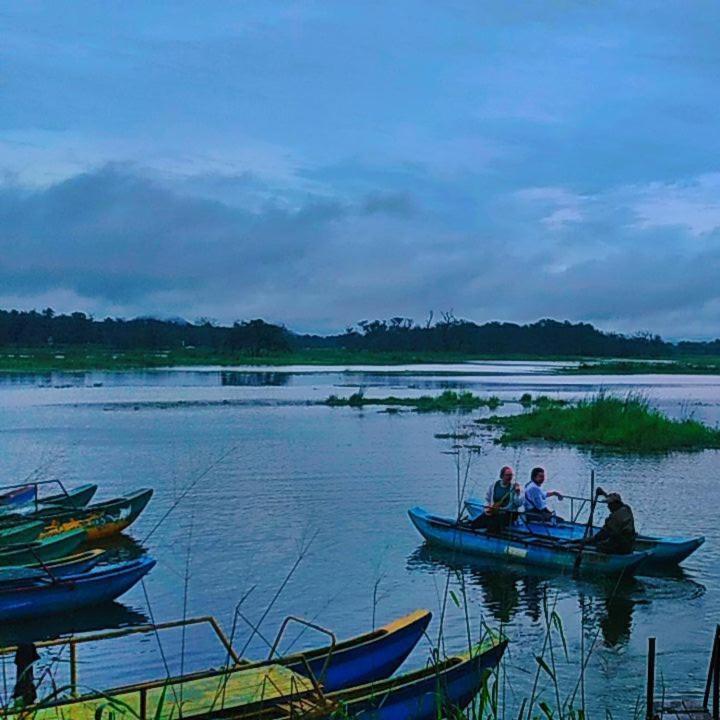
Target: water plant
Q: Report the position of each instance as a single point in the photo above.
(447, 401)
(627, 423)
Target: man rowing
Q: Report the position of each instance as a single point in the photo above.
(535, 498)
(617, 535)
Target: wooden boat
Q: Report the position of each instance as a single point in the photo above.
(447, 533)
(365, 658)
(99, 520)
(26, 496)
(70, 565)
(275, 692)
(45, 595)
(22, 533)
(42, 550)
(663, 551)
(75, 498)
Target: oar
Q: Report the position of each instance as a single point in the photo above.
(588, 527)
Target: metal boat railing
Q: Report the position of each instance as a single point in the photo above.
(37, 484)
(142, 688)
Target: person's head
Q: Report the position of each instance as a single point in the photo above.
(614, 501)
(506, 474)
(537, 475)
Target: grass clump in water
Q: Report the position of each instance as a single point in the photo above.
(626, 423)
(448, 401)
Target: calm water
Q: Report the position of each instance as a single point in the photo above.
(345, 478)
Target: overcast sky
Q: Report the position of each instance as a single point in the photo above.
(322, 163)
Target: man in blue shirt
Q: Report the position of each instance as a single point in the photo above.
(536, 498)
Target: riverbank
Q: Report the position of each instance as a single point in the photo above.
(93, 358)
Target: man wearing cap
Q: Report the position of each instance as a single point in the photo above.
(617, 535)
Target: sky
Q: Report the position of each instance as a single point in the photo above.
(321, 163)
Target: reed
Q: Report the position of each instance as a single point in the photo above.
(447, 401)
(628, 423)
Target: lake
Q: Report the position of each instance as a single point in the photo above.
(342, 479)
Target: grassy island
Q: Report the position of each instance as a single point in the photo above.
(447, 401)
(624, 423)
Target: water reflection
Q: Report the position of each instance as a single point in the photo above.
(508, 591)
(109, 616)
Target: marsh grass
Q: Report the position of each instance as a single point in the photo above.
(448, 401)
(628, 423)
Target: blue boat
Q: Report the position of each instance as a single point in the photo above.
(441, 690)
(365, 658)
(664, 551)
(41, 596)
(71, 565)
(446, 532)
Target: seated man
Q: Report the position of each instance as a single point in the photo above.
(502, 502)
(536, 498)
(617, 535)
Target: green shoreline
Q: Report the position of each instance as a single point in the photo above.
(87, 359)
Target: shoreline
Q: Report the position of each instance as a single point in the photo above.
(93, 359)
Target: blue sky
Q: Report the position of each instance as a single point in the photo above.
(322, 163)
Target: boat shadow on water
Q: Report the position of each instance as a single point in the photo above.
(509, 590)
(110, 616)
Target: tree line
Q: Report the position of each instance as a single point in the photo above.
(448, 334)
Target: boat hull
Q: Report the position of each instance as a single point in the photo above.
(76, 498)
(445, 532)
(364, 659)
(41, 598)
(24, 533)
(99, 521)
(52, 548)
(442, 691)
(663, 551)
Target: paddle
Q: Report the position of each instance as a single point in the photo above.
(588, 527)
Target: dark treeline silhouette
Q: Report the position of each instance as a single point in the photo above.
(545, 338)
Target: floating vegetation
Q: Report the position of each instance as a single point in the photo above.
(628, 423)
(448, 401)
(453, 436)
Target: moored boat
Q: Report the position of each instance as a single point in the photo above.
(41, 596)
(26, 498)
(363, 659)
(663, 551)
(70, 565)
(271, 691)
(530, 550)
(51, 548)
(99, 520)
(21, 533)
(74, 498)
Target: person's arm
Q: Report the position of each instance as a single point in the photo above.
(555, 493)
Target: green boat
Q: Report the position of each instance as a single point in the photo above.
(23, 533)
(51, 548)
(99, 520)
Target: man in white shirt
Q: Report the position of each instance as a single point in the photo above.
(536, 498)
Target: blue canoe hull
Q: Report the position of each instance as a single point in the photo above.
(365, 659)
(663, 551)
(424, 695)
(446, 533)
(38, 599)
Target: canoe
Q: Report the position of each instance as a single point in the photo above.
(441, 690)
(17, 497)
(50, 548)
(70, 565)
(41, 597)
(275, 692)
(445, 532)
(99, 520)
(365, 658)
(663, 551)
(24, 533)
(74, 498)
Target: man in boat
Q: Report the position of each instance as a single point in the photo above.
(617, 535)
(536, 498)
(502, 502)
